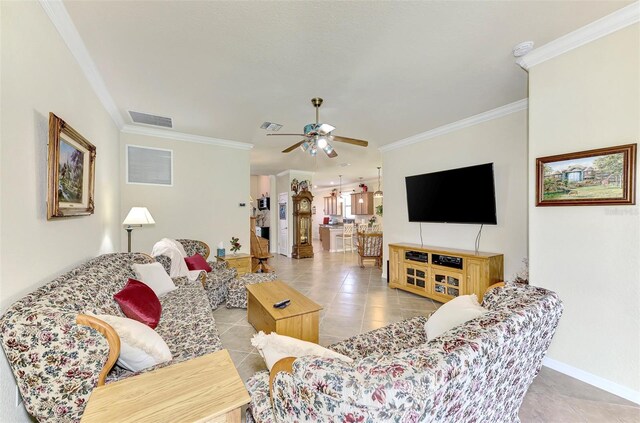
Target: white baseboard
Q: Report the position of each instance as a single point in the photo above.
(591, 379)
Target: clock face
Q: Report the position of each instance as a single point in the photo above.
(304, 205)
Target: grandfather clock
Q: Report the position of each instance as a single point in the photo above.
(302, 247)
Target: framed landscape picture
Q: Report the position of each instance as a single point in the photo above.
(71, 171)
(605, 176)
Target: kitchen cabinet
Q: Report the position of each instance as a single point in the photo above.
(332, 207)
(366, 207)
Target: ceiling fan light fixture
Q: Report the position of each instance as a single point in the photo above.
(313, 151)
(304, 146)
(327, 148)
(324, 128)
(322, 142)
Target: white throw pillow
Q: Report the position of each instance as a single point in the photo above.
(155, 277)
(453, 313)
(140, 346)
(273, 347)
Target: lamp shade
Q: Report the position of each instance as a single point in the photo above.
(139, 216)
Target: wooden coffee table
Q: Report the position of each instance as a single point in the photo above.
(300, 319)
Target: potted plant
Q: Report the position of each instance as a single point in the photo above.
(235, 245)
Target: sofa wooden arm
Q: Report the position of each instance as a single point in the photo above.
(495, 285)
(282, 365)
(112, 338)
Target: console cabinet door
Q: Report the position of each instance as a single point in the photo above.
(474, 279)
(416, 277)
(447, 283)
(394, 266)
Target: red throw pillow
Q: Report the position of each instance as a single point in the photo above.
(197, 262)
(140, 303)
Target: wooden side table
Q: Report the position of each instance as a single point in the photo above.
(300, 319)
(241, 261)
(206, 388)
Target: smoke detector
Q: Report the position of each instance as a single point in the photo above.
(523, 48)
(147, 119)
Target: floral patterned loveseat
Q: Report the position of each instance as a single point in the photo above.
(476, 372)
(217, 281)
(57, 362)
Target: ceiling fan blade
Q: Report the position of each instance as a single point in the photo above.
(297, 135)
(332, 154)
(293, 147)
(353, 141)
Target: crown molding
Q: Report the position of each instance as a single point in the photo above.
(461, 124)
(62, 22)
(611, 23)
(181, 136)
(284, 172)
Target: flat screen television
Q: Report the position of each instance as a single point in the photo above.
(464, 195)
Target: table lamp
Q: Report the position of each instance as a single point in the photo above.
(137, 217)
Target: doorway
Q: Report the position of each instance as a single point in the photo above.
(283, 224)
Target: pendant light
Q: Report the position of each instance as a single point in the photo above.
(340, 192)
(378, 193)
(361, 200)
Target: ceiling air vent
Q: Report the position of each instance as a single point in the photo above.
(154, 120)
(270, 126)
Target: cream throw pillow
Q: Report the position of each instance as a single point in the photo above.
(140, 346)
(155, 277)
(274, 347)
(453, 313)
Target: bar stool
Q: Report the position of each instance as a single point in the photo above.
(347, 234)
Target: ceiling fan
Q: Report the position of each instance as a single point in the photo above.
(318, 136)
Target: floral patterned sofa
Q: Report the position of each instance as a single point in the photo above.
(476, 372)
(57, 362)
(217, 281)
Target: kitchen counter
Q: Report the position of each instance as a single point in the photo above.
(328, 237)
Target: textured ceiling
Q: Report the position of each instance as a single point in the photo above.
(387, 70)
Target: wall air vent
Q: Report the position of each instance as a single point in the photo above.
(148, 119)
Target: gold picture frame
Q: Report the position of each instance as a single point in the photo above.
(71, 171)
(601, 177)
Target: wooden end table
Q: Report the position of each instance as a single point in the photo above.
(300, 319)
(206, 388)
(241, 261)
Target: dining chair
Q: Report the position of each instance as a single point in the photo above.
(346, 235)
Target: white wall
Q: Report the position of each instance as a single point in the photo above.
(209, 182)
(589, 98)
(39, 75)
(502, 141)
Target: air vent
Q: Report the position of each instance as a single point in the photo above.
(270, 126)
(154, 120)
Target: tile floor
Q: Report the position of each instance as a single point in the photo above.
(361, 297)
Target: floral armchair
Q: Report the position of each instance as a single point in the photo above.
(477, 371)
(217, 281)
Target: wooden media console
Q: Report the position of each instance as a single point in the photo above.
(443, 274)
